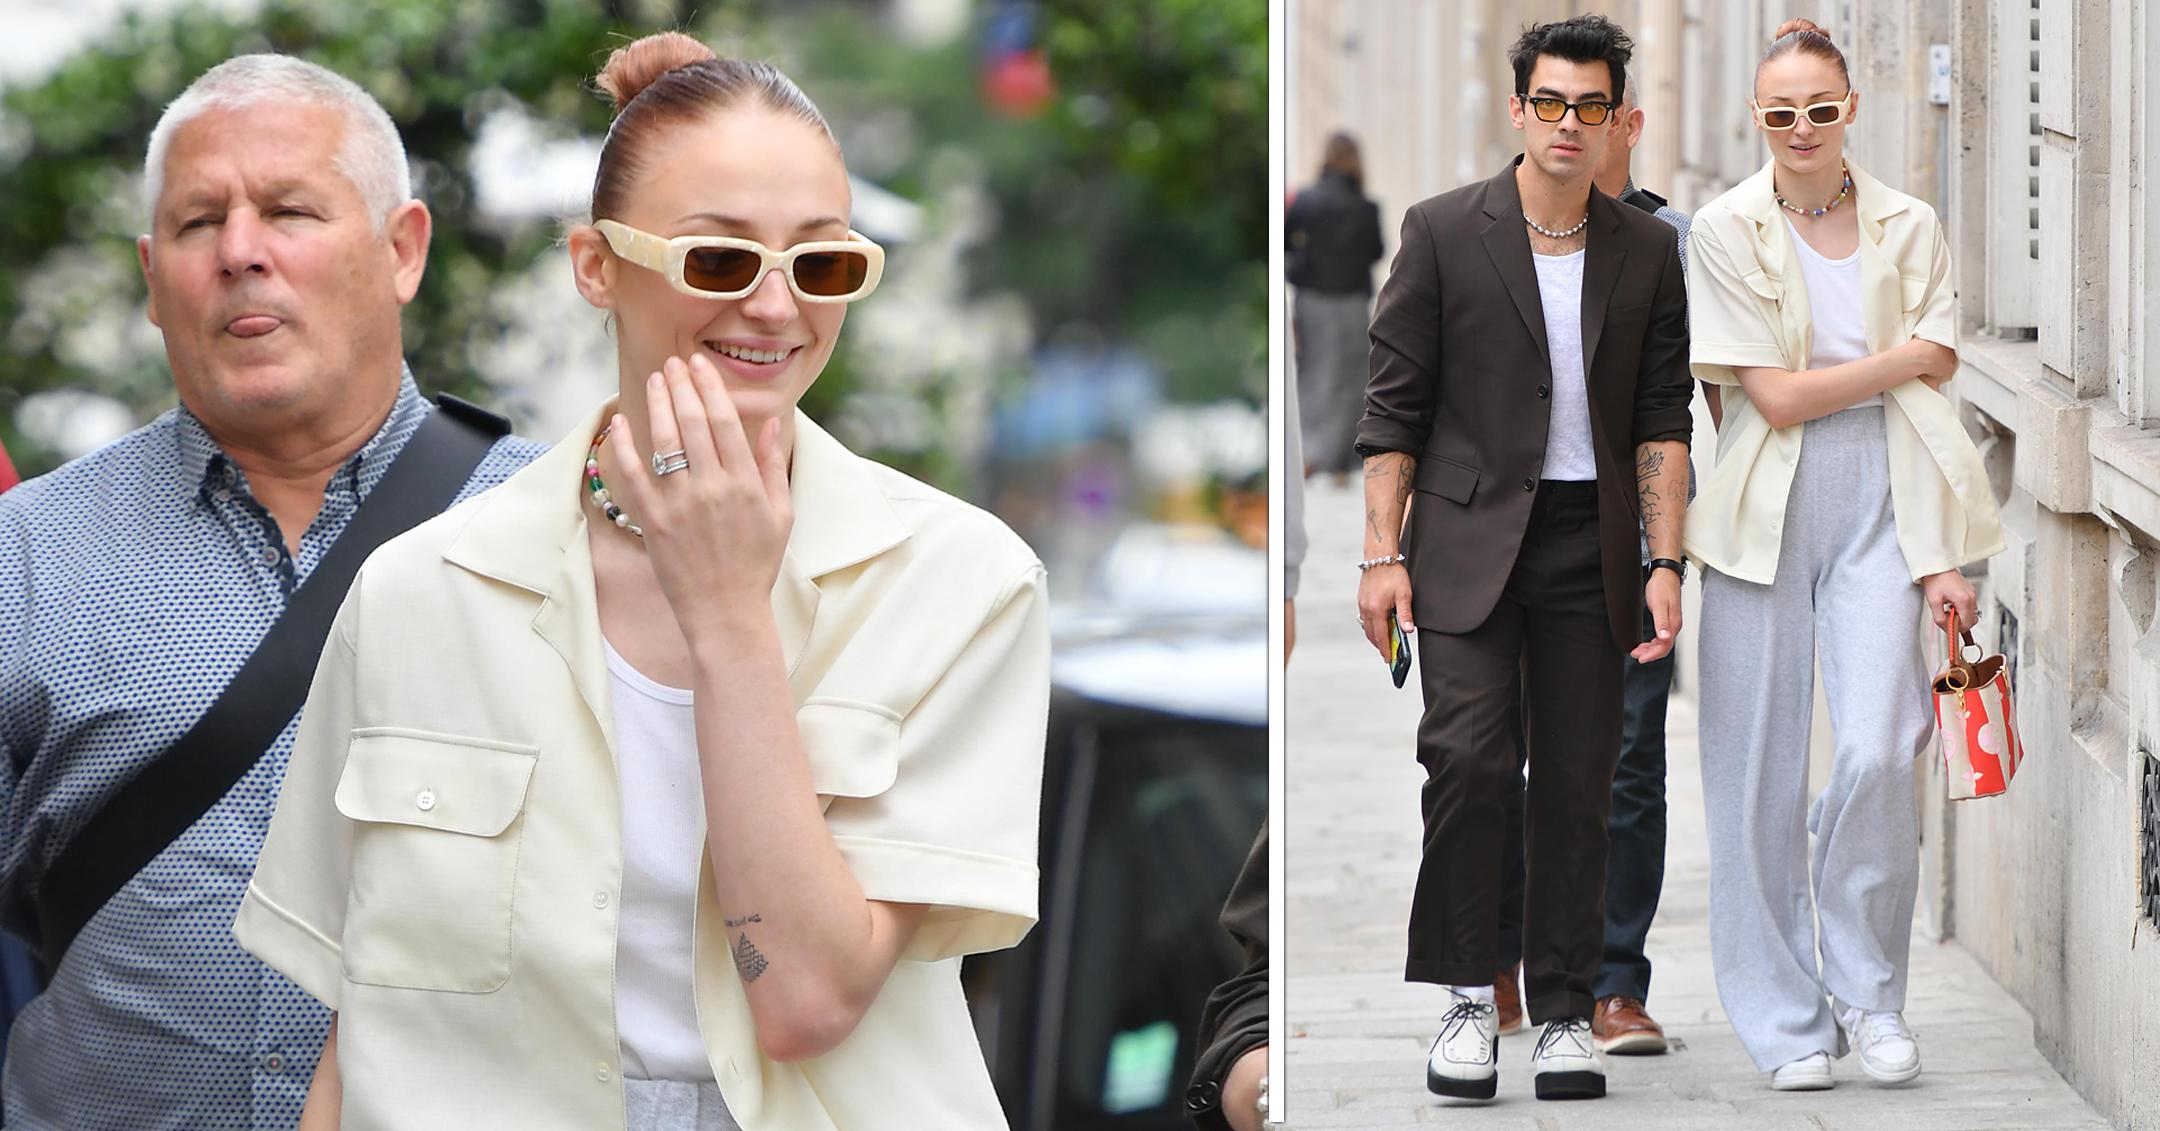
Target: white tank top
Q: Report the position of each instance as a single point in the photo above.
(1833, 291)
(657, 764)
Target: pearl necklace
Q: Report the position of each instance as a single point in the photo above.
(609, 509)
(1840, 199)
(1549, 233)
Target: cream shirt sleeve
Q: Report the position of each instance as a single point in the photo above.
(1728, 325)
(1938, 294)
(957, 828)
(293, 916)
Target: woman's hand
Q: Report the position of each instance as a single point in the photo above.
(1934, 362)
(717, 529)
(1950, 587)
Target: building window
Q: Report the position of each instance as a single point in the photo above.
(2150, 814)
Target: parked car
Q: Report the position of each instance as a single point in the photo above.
(1155, 783)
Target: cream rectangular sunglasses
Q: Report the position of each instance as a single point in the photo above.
(726, 267)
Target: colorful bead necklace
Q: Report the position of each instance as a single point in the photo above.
(600, 497)
(1842, 194)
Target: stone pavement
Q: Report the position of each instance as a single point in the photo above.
(1358, 1033)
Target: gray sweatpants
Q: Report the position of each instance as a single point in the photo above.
(1843, 597)
(675, 1105)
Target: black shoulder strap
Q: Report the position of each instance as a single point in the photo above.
(159, 803)
(1644, 199)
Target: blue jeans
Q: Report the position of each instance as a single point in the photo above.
(1635, 865)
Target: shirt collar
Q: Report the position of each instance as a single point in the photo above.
(205, 465)
(1756, 198)
(523, 532)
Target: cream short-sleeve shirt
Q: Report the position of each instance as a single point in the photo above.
(1748, 307)
(444, 867)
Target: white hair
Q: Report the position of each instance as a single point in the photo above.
(370, 155)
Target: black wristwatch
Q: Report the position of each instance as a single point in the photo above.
(1677, 567)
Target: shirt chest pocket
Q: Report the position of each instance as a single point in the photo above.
(435, 841)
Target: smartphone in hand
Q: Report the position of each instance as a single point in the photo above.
(1398, 651)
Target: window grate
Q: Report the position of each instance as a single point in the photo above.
(2149, 814)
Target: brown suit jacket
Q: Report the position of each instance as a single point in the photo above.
(1461, 379)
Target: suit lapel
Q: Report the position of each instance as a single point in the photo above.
(1601, 271)
(1507, 241)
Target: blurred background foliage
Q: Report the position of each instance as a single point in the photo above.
(1090, 172)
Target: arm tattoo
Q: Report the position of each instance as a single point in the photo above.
(748, 962)
(742, 922)
(1649, 469)
(1396, 464)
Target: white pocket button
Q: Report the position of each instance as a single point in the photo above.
(426, 800)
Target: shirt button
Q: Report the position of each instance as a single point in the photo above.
(222, 495)
(603, 1074)
(273, 1063)
(1542, 391)
(269, 555)
(600, 899)
(426, 800)
(1529, 484)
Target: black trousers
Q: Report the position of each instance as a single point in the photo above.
(1635, 831)
(1549, 627)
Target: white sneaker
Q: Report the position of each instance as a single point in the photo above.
(1465, 1059)
(1888, 1051)
(1810, 1073)
(1566, 1062)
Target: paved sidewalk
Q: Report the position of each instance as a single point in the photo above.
(1358, 1032)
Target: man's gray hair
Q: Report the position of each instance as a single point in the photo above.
(371, 155)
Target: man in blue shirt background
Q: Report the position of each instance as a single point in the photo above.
(135, 581)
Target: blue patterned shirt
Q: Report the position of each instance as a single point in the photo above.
(134, 582)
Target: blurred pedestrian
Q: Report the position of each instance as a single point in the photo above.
(162, 599)
(1847, 495)
(696, 755)
(8, 478)
(1635, 864)
(1332, 237)
(1519, 540)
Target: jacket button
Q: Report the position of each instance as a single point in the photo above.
(1529, 484)
(1203, 1096)
(1542, 391)
(425, 801)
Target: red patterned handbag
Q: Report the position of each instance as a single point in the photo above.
(1980, 745)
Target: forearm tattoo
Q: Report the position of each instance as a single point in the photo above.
(748, 961)
(1391, 465)
(1649, 470)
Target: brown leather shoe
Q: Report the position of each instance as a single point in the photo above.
(1507, 997)
(1621, 1026)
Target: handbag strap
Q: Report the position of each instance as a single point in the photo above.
(147, 813)
(1954, 656)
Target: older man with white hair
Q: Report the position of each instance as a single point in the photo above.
(162, 601)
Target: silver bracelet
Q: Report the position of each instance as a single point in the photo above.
(1369, 563)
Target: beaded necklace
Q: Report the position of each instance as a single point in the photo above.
(1840, 198)
(600, 497)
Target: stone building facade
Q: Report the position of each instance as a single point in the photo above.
(2033, 127)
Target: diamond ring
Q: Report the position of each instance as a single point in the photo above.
(668, 463)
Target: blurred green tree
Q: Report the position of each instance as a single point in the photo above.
(1131, 208)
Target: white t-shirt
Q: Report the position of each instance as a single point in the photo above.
(1833, 291)
(657, 764)
(1568, 451)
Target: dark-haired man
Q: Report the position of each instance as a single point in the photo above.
(1529, 382)
(1635, 863)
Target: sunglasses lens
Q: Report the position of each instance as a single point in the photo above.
(723, 270)
(1590, 113)
(1780, 118)
(1826, 113)
(830, 274)
(1548, 109)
